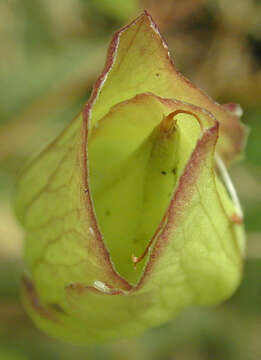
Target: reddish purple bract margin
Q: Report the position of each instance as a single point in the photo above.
(186, 183)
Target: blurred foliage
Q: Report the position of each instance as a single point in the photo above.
(50, 54)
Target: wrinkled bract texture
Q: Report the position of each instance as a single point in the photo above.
(127, 218)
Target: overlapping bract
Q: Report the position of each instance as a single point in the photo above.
(126, 220)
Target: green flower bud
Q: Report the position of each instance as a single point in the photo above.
(129, 214)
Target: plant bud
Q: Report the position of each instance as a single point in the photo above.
(129, 214)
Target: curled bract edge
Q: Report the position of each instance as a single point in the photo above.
(127, 218)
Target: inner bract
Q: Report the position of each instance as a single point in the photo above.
(137, 154)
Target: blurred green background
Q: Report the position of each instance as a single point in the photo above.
(51, 52)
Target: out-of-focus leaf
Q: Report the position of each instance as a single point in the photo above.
(122, 10)
(253, 147)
